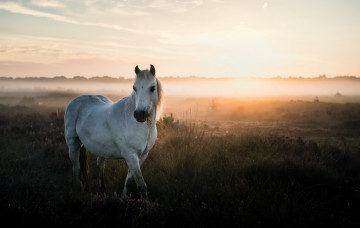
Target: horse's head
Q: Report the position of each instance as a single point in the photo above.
(147, 90)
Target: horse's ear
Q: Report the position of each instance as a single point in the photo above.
(137, 70)
(152, 69)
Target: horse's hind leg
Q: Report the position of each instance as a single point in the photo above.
(101, 166)
(74, 145)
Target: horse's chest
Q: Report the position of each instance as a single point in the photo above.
(140, 142)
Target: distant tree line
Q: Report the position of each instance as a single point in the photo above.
(65, 79)
(169, 78)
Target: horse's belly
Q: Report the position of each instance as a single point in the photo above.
(99, 143)
(102, 148)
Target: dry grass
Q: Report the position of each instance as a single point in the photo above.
(286, 164)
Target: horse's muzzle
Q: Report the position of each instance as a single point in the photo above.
(140, 115)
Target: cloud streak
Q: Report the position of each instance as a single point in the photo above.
(40, 54)
(17, 8)
(47, 3)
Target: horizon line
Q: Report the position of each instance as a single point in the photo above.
(107, 77)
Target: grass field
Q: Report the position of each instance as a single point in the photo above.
(249, 163)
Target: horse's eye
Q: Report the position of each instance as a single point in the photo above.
(134, 88)
(152, 88)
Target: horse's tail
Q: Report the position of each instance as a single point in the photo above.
(84, 167)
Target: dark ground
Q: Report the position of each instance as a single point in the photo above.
(286, 171)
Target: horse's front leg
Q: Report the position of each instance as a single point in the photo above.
(101, 166)
(128, 181)
(134, 167)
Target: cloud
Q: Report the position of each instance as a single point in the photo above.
(40, 53)
(17, 8)
(31, 50)
(71, 67)
(123, 10)
(47, 3)
(178, 6)
(191, 2)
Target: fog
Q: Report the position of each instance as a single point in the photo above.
(198, 87)
(191, 98)
(261, 88)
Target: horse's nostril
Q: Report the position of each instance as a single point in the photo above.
(140, 115)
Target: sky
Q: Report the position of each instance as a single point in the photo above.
(208, 38)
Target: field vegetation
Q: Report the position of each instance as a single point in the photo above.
(249, 163)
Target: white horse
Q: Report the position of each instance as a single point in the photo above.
(124, 129)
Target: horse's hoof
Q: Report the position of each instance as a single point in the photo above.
(124, 195)
(145, 197)
(103, 189)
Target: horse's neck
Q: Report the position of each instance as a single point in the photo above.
(153, 117)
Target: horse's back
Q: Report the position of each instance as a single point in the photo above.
(90, 100)
(87, 101)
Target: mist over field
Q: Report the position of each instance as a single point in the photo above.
(195, 86)
(196, 98)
